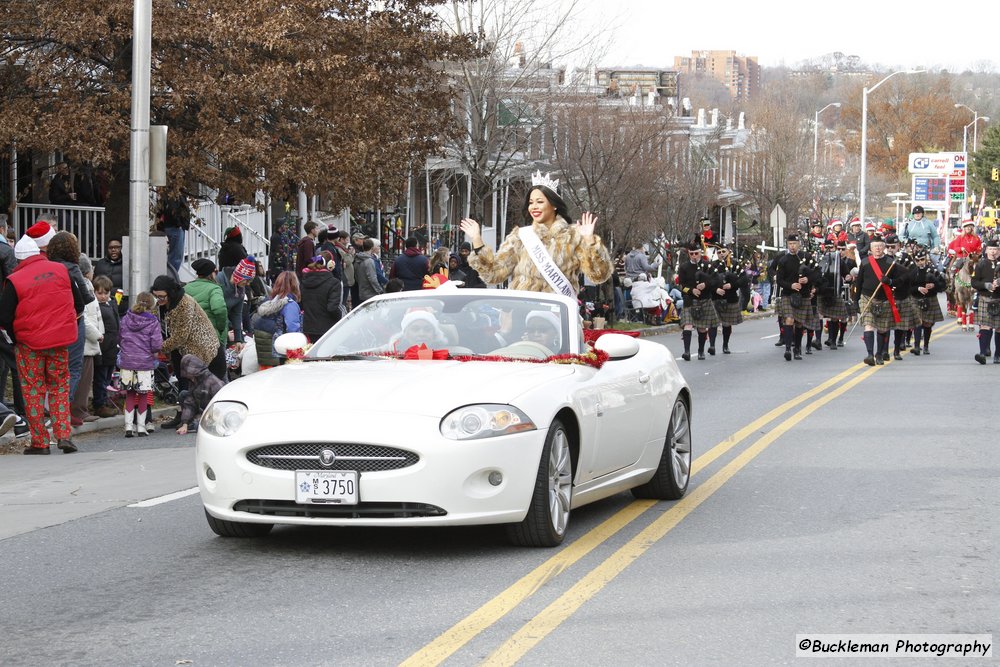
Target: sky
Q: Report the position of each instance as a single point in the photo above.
(890, 33)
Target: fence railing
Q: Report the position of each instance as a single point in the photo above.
(208, 222)
(86, 222)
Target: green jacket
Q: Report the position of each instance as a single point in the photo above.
(209, 296)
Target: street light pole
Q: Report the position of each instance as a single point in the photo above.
(864, 133)
(975, 115)
(816, 131)
(138, 223)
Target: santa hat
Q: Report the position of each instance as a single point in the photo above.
(549, 318)
(41, 232)
(870, 227)
(835, 222)
(245, 270)
(418, 315)
(25, 248)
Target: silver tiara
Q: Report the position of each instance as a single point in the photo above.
(546, 180)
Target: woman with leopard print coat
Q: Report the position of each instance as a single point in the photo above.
(574, 248)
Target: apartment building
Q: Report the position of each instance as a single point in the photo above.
(739, 74)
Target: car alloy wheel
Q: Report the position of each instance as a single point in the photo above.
(548, 511)
(670, 481)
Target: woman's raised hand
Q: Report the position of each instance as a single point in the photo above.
(471, 229)
(585, 225)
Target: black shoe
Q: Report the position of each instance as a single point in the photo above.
(778, 344)
(926, 351)
(711, 350)
(725, 350)
(840, 343)
(996, 359)
(797, 354)
(897, 356)
(809, 349)
(879, 361)
(686, 356)
(788, 355)
(885, 356)
(67, 446)
(701, 356)
(817, 345)
(981, 359)
(870, 360)
(173, 423)
(129, 434)
(915, 351)
(43, 451)
(829, 343)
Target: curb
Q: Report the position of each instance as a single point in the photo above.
(8, 441)
(661, 329)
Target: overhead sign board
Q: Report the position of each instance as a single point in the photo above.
(928, 190)
(936, 163)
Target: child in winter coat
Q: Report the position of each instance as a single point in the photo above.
(140, 341)
(202, 388)
(105, 363)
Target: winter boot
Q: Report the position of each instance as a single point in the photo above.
(129, 423)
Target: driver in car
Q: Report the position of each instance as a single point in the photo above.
(542, 327)
(420, 326)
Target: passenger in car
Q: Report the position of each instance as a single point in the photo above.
(542, 327)
(419, 327)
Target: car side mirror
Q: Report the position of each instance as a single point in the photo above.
(289, 341)
(618, 346)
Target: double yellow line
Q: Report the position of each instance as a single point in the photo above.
(535, 630)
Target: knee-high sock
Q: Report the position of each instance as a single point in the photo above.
(870, 342)
(917, 335)
(996, 339)
(727, 333)
(809, 336)
(927, 336)
(702, 337)
(985, 337)
(712, 334)
(898, 336)
(883, 343)
(686, 336)
(843, 330)
(787, 332)
(798, 337)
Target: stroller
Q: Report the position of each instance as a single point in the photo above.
(165, 385)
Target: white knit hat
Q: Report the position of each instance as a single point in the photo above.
(25, 248)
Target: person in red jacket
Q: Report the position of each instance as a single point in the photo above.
(39, 306)
(967, 243)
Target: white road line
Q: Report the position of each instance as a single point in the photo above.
(166, 499)
(771, 336)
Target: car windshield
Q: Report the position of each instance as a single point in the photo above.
(460, 323)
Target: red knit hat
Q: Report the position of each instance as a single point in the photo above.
(245, 270)
(42, 233)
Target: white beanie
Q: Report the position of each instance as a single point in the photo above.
(25, 248)
(549, 318)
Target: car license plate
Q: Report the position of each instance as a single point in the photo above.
(322, 487)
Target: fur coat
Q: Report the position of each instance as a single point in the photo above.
(572, 253)
(190, 332)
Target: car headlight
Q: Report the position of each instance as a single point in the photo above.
(484, 421)
(224, 418)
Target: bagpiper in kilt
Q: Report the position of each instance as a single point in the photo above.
(986, 280)
(902, 286)
(795, 293)
(813, 324)
(928, 282)
(696, 283)
(872, 289)
(833, 300)
(726, 298)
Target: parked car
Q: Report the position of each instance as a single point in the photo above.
(499, 414)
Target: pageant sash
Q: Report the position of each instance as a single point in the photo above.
(545, 264)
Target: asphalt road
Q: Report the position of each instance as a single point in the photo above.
(827, 498)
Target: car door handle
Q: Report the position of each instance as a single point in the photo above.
(644, 378)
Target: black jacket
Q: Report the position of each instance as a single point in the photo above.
(112, 331)
(321, 293)
(690, 275)
(113, 270)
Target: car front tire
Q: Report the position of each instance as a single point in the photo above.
(224, 528)
(548, 514)
(672, 475)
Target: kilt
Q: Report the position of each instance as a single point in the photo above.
(801, 314)
(700, 314)
(730, 314)
(878, 315)
(813, 321)
(833, 308)
(928, 309)
(908, 315)
(983, 317)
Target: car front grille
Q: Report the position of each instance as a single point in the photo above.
(359, 511)
(348, 456)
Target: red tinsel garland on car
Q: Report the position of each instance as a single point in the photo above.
(594, 358)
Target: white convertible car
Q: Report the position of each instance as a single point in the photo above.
(446, 407)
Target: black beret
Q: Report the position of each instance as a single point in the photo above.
(203, 267)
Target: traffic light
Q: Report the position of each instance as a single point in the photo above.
(996, 174)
